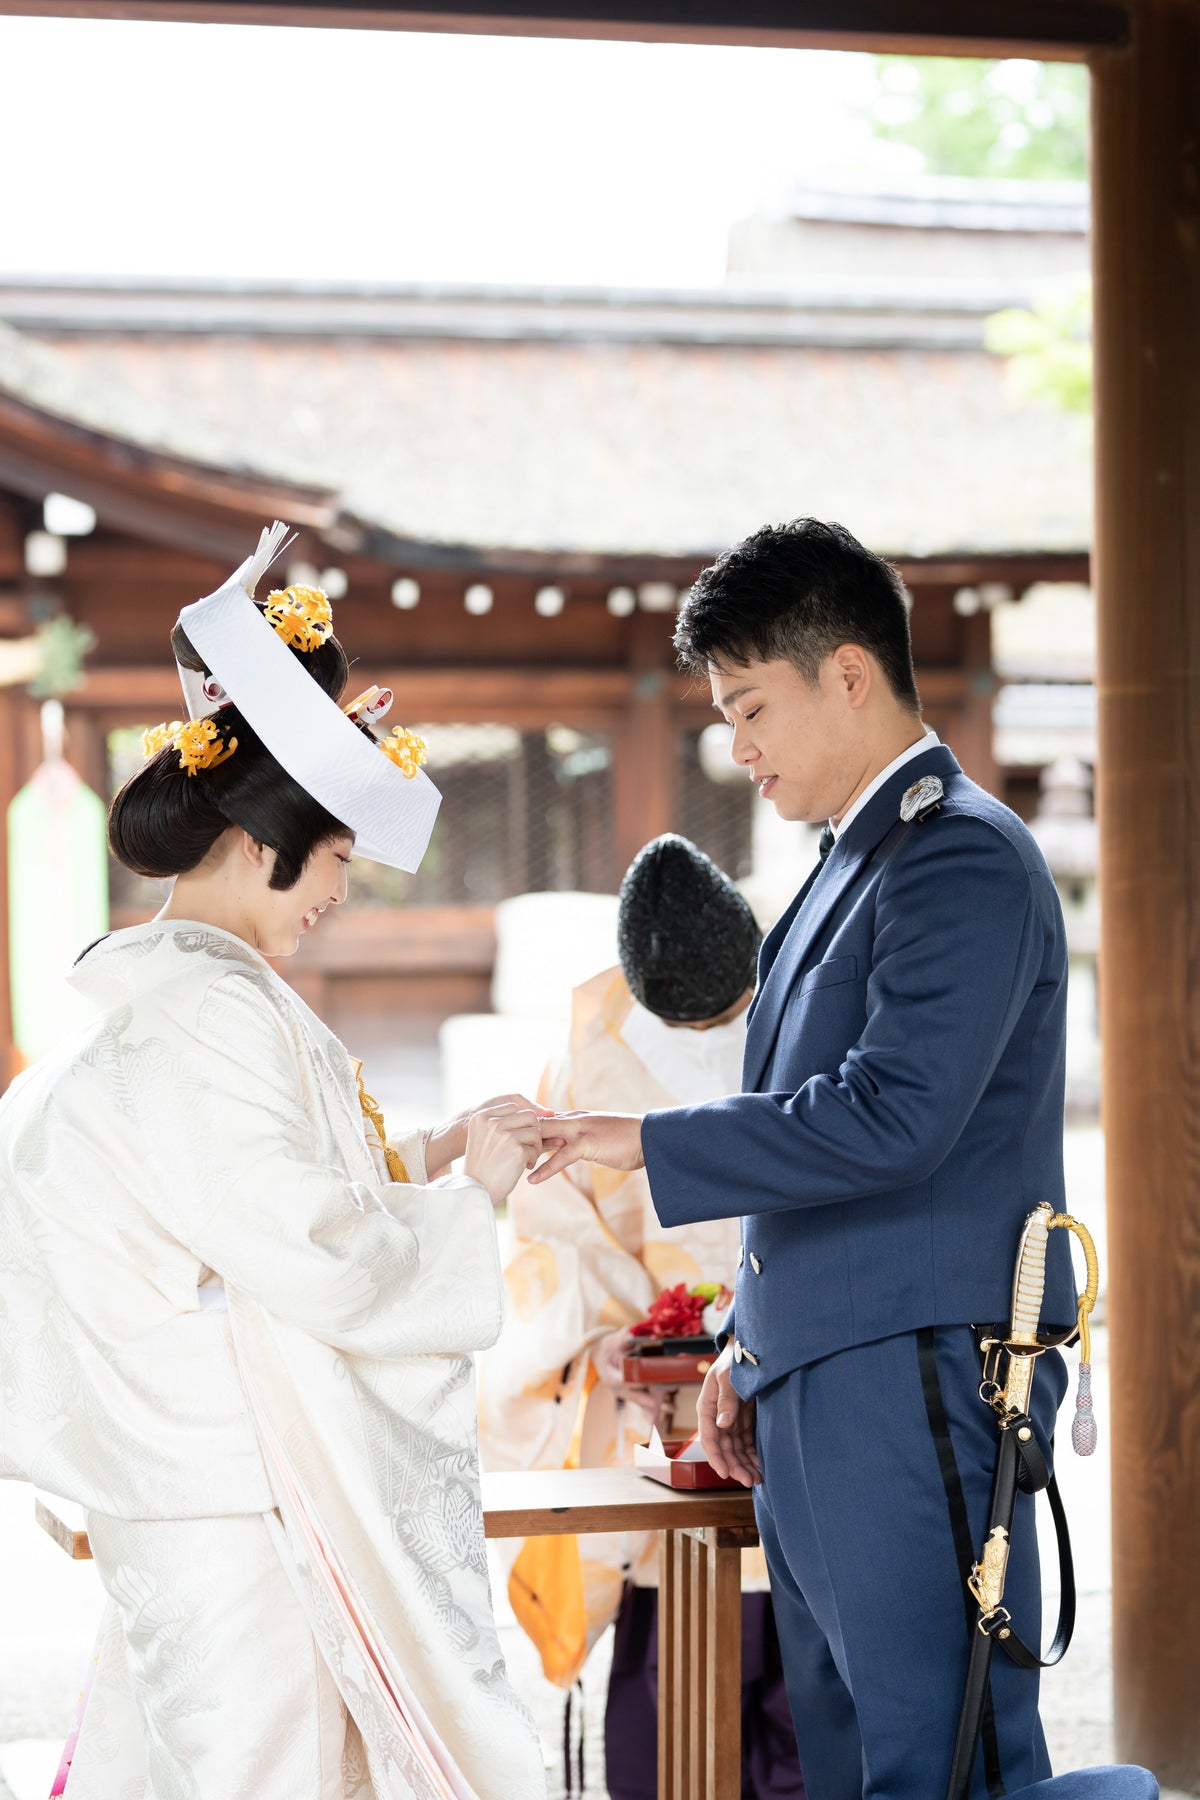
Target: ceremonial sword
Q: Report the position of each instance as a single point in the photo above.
(1020, 1464)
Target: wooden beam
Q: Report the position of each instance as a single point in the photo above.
(526, 698)
(136, 488)
(518, 696)
(961, 568)
(409, 940)
(386, 941)
(1146, 238)
(1046, 28)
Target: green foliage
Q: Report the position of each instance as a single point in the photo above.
(962, 116)
(1049, 346)
(63, 644)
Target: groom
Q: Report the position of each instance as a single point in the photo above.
(901, 1114)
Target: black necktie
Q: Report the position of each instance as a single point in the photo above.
(825, 842)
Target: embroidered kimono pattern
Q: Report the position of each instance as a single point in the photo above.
(589, 1256)
(201, 1142)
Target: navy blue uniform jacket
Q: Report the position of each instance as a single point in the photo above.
(902, 1103)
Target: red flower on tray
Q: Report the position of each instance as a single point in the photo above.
(677, 1312)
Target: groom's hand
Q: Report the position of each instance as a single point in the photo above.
(727, 1425)
(611, 1139)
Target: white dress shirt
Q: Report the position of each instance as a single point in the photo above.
(926, 742)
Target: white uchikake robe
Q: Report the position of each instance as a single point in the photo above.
(207, 1125)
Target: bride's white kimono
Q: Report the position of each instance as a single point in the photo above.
(246, 1351)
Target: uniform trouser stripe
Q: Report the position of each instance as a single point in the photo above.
(964, 1550)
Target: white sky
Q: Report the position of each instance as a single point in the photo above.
(239, 150)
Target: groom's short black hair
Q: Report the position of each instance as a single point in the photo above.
(797, 591)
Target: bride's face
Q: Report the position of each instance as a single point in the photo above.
(284, 916)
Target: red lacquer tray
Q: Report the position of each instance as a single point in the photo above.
(678, 1474)
(669, 1362)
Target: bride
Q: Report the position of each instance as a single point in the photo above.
(236, 1319)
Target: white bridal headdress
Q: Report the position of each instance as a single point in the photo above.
(374, 787)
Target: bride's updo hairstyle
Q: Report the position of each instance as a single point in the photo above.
(165, 820)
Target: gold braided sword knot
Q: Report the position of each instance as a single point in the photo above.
(1083, 1425)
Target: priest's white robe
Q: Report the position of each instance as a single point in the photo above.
(588, 1256)
(233, 1338)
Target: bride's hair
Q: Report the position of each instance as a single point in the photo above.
(164, 821)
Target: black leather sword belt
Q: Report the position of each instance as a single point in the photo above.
(1010, 1354)
(1020, 1468)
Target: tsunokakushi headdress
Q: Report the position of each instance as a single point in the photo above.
(375, 787)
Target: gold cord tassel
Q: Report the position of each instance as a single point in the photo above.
(1083, 1426)
(372, 1111)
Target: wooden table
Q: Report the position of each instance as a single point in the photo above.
(700, 1615)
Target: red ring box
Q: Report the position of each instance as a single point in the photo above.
(675, 1474)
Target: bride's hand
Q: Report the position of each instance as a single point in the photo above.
(501, 1143)
(448, 1141)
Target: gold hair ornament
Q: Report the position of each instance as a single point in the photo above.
(405, 749)
(198, 741)
(302, 616)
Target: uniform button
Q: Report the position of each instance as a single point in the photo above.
(755, 1264)
(738, 1352)
(750, 1356)
(741, 1255)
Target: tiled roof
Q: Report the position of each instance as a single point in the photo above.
(127, 453)
(40, 376)
(614, 447)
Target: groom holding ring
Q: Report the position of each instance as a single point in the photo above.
(901, 1114)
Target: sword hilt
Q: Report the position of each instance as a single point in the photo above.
(1029, 1283)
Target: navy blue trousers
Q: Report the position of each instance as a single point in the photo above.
(865, 1579)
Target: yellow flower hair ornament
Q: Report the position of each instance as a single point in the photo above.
(199, 743)
(159, 736)
(302, 616)
(405, 749)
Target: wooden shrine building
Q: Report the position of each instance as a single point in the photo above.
(506, 492)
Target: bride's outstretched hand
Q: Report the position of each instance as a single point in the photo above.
(448, 1141)
(502, 1141)
(611, 1139)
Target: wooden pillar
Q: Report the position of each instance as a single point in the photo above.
(977, 728)
(10, 780)
(1146, 175)
(645, 777)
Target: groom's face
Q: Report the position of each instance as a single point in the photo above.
(797, 740)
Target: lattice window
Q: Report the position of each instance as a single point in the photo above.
(718, 816)
(521, 811)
